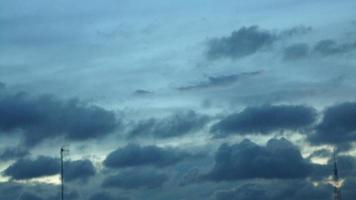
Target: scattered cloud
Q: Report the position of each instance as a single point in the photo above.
(271, 190)
(329, 47)
(296, 51)
(106, 196)
(142, 92)
(135, 179)
(279, 159)
(135, 155)
(12, 153)
(47, 117)
(326, 47)
(78, 170)
(26, 168)
(337, 126)
(243, 42)
(247, 41)
(265, 119)
(179, 124)
(219, 81)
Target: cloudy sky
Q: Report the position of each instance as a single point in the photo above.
(181, 100)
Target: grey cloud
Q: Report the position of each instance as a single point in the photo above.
(325, 47)
(296, 51)
(295, 31)
(321, 153)
(134, 155)
(346, 166)
(279, 159)
(141, 92)
(32, 168)
(79, 170)
(9, 190)
(348, 191)
(67, 195)
(220, 81)
(27, 168)
(272, 190)
(101, 196)
(265, 119)
(330, 47)
(135, 179)
(31, 196)
(46, 117)
(337, 126)
(178, 124)
(243, 42)
(106, 196)
(12, 153)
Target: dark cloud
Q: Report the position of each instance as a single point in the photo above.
(273, 190)
(12, 153)
(135, 179)
(331, 47)
(325, 47)
(220, 81)
(338, 125)
(265, 119)
(296, 51)
(32, 168)
(346, 168)
(10, 190)
(321, 153)
(106, 196)
(101, 196)
(67, 195)
(178, 124)
(134, 155)
(348, 191)
(279, 159)
(78, 170)
(142, 92)
(31, 196)
(243, 42)
(46, 117)
(295, 31)
(42, 166)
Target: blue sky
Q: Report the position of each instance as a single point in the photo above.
(177, 99)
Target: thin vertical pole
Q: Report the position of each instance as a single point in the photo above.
(62, 177)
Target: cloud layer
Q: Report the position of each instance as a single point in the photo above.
(265, 119)
(44, 117)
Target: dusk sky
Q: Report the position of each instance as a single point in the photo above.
(179, 100)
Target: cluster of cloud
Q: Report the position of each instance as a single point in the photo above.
(252, 39)
(134, 155)
(337, 126)
(247, 41)
(219, 81)
(265, 119)
(26, 168)
(176, 125)
(43, 117)
(276, 170)
(326, 47)
(278, 159)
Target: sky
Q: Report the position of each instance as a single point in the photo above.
(181, 100)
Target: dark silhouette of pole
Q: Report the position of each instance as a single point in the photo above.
(337, 192)
(62, 176)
